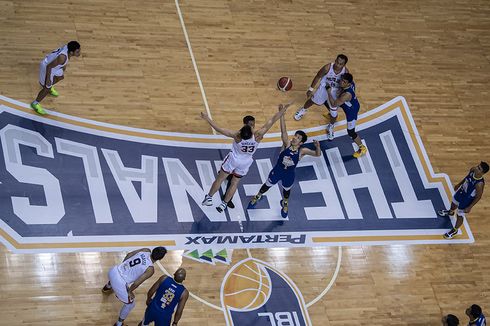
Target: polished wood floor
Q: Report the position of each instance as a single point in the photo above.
(135, 70)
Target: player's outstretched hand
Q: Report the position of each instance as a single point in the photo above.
(204, 116)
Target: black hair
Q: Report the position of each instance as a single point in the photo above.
(452, 320)
(475, 310)
(303, 135)
(73, 46)
(158, 253)
(348, 77)
(484, 166)
(246, 132)
(247, 119)
(343, 57)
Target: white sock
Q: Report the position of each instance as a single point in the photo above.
(35, 102)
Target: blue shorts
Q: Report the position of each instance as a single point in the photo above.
(462, 200)
(351, 114)
(286, 178)
(157, 316)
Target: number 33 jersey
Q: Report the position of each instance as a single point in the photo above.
(133, 267)
(244, 149)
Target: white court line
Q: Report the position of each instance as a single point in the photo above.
(209, 304)
(193, 61)
(332, 281)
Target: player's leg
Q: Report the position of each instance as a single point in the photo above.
(120, 289)
(450, 211)
(58, 76)
(459, 221)
(229, 193)
(318, 98)
(287, 182)
(333, 118)
(263, 189)
(123, 314)
(230, 203)
(351, 131)
(148, 318)
(222, 175)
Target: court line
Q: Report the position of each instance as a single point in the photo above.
(332, 281)
(189, 47)
(190, 293)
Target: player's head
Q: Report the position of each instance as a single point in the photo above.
(158, 253)
(299, 138)
(246, 132)
(346, 80)
(179, 275)
(341, 61)
(483, 167)
(74, 48)
(450, 320)
(249, 120)
(474, 311)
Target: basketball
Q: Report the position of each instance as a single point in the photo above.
(284, 84)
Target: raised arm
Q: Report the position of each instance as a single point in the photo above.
(284, 132)
(180, 307)
(223, 131)
(307, 151)
(154, 288)
(259, 134)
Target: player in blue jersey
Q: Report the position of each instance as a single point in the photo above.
(348, 101)
(467, 193)
(168, 293)
(476, 316)
(284, 170)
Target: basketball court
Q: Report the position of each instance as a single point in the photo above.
(123, 160)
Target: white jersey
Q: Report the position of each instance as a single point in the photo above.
(56, 53)
(331, 78)
(244, 149)
(133, 267)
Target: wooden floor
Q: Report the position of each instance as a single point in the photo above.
(135, 70)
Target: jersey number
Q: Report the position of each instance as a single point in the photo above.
(167, 298)
(134, 262)
(248, 149)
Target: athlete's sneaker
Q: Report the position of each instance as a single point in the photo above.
(444, 213)
(451, 234)
(106, 289)
(253, 202)
(38, 108)
(230, 203)
(330, 135)
(284, 209)
(53, 92)
(222, 207)
(300, 113)
(208, 201)
(362, 151)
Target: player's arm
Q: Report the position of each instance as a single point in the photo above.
(479, 192)
(456, 187)
(307, 151)
(61, 59)
(322, 72)
(134, 252)
(154, 288)
(345, 97)
(180, 307)
(284, 133)
(146, 275)
(262, 131)
(223, 131)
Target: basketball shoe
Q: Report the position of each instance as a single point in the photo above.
(253, 202)
(360, 152)
(300, 113)
(54, 92)
(330, 135)
(208, 200)
(451, 234)
(36, 106)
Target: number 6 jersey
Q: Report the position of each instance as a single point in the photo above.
(133, 267)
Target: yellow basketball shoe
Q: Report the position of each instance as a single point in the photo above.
(362, 151)
(53, 92)
(38, 108)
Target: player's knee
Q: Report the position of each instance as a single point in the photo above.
(352, 133)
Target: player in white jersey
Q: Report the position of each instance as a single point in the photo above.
(238, 161)
(124, 278)
(51, 71)
(329, 77)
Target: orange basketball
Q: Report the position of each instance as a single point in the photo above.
(284, 84)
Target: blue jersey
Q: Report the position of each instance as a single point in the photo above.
(164, 302)
(284, 169)
(468, 188)
(353, 104)
(480, 321)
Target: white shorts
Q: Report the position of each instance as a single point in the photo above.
(119, 285)
(320, 96)
(42, 74)
(237, 166)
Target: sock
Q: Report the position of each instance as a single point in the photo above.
(119, 323)
(35, 102)
(108, 285)
(224, 203)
